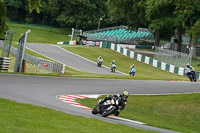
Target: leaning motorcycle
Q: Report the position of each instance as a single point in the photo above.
(192, 76)
(107, 108)
(113, 67)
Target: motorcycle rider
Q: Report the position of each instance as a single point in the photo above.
(122, 98)
(132, 70)
(189, 70)
(99, 59)
(113, 62)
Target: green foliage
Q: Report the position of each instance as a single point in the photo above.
(78, 13)
(188, 12)
(159, 18)
(34, 5)
(3, 19)
(185, 8)
(195, 30)
(16, 9)
(114, 14)
(132, 12)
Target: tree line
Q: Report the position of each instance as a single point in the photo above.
(164, 17)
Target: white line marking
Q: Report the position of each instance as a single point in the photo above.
(53, 59)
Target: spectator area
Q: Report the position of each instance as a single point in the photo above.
(119, 35)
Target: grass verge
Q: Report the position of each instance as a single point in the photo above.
(24, 118)
(143, 71)
(40, 34)
(174, 112)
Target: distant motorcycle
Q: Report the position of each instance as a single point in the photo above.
(192, 76)
(113, 67)
(99, 63)
(107, 108)
(132, 71)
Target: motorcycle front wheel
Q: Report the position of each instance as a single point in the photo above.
(95, 110)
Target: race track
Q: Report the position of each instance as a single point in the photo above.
(42, 91)
(69, 59)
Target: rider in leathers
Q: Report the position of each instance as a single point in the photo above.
(122, 98)
(189, 70)
(100, 59)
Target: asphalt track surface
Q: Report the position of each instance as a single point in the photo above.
(69, 59)
(42, 91)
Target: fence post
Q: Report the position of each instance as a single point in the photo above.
(20, 52)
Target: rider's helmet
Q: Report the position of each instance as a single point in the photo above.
(133, 66)
(99, 56)
(125, 95)
(188, 65)
(113, 61)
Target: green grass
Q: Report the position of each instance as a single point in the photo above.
(40, 34)
(24, 118)
(175, 112)
(143, 71)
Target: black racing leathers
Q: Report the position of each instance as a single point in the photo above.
(118, 97)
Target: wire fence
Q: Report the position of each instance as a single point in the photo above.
(40, 64)
(173, 57)
(7, 42)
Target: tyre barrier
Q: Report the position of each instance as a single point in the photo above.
(4, 64)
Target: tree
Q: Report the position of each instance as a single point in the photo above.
(160, 15)
(3, 19)
(195, 32)
(114, 16)
(34, 5)
(188, 12)
(82, 14)
(131, 11)
(16, 10)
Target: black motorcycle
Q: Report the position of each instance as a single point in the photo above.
(192, 76)
(107, 108)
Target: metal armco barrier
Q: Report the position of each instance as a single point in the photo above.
(4, 63)
(52, 66)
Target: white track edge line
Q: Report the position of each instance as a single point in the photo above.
(52, 59)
